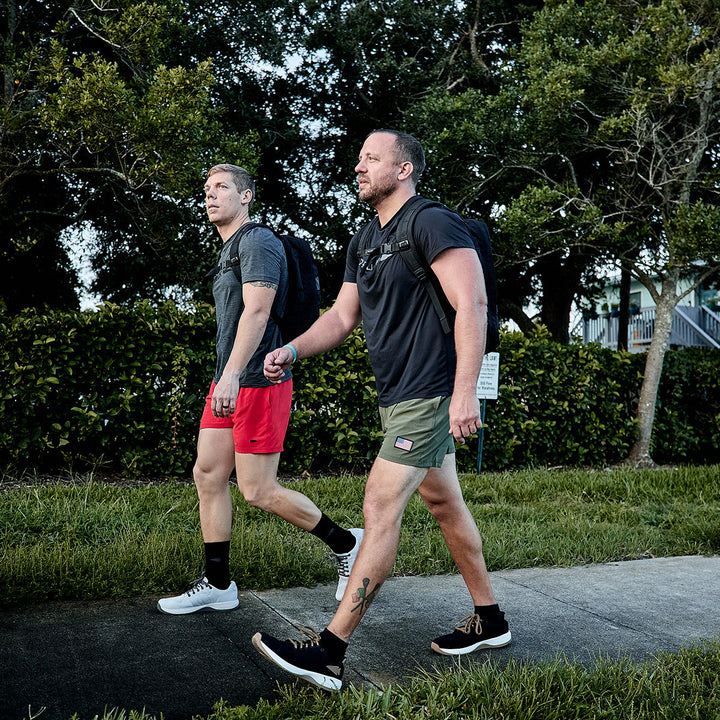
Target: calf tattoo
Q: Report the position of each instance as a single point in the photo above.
(362, 597)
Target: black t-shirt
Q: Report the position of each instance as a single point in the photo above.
(410, 355)
(262, 259)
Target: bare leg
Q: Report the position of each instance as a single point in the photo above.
(387, 493)
(215, 461)
(442, 494)
(257, 480)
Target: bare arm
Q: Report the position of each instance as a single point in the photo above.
(460, 275)
(327, 332)
(257, 299)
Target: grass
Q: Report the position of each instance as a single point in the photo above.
(684, 685)
(85, 539)
(680, 686)
(88, 540)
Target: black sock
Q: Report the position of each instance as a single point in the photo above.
(488, 612)
(334, 646)
(217, 564)
(340, 540)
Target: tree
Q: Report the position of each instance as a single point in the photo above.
(98, 132)
(634, 87)
(325, 75)
(502, 159)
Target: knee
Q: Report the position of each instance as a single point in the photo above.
(443, 509)
(260, 497)
(209, 480)
(380, 514)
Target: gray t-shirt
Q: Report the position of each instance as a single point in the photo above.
(409, 353)
(262, 259)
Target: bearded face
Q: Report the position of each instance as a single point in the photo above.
(377, 169)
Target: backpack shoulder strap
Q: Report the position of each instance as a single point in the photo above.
(416, 263)
(364, 238)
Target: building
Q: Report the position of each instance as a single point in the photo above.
(696, 323)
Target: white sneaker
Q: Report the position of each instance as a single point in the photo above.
(345, 563)
(201, 596)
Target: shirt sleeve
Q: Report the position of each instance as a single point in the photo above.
(351, 260)
(261, 257)
(437, 229)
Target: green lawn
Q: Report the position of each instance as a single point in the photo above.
(125, 541)
(86, 540)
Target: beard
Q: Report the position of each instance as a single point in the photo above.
(373, 194)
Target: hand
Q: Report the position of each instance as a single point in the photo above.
(225, 396)
(277, 362)
(465, 418)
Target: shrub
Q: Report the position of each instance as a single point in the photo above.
(124, 387)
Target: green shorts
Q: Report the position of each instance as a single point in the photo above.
(417, 432)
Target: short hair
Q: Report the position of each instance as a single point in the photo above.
(241, 177)
(408, 150)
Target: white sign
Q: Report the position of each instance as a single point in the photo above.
(487, 384)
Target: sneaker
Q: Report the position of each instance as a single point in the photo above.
(201, 596)
(345, 563)
(472, 634)
(306, 659)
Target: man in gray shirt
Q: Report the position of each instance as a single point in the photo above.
(246, 416)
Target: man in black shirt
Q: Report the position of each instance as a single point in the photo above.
(426, 383)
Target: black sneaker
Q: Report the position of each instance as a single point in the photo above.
(307, 659)
(472, 634)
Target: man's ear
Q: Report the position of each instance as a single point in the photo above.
(406, 170)
(246, 196)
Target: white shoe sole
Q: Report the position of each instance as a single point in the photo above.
(322, 681)
(496, 642)
(220, 607)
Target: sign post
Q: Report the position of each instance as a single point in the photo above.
(487, 389)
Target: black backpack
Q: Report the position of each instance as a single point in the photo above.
(405, 245)
(302, 308)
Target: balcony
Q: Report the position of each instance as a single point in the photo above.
(691, 327)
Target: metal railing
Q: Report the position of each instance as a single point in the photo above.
(691, 327)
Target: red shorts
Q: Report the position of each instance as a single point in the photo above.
(260, 420)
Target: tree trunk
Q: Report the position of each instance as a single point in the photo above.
(515, 313)
(624, 317)
(560, 278)
(639, 455)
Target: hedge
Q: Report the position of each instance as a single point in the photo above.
(121, 390)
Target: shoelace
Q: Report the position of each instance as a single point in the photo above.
(469, 624)
(343, 563)
(313, 637)
(197, 586)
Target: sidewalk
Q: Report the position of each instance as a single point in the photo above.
(85, 657)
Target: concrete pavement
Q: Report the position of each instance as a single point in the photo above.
(57, 659)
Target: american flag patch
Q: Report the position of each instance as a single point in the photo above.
(403, 443)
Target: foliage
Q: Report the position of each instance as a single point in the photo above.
(314, 78)
(122, 388)
(558, 404)
(335, 423)
(687, 420)
(611, 111)
(100, 134)
(130, 539)
(601, 141)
